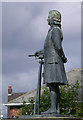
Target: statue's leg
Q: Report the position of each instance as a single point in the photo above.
(54, 92)
(58, 101)
(58, 109)
(53, 97)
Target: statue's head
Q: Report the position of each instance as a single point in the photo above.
(54, 17)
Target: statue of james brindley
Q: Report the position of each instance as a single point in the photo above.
(54, 59)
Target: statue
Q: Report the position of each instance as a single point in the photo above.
(54, 59)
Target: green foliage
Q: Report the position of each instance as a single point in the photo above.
(28, 109)
(45, 100)
(69, 101)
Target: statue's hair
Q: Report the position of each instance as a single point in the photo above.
(55, 16)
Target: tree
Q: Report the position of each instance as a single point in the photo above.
(71, 99)
(28, 109)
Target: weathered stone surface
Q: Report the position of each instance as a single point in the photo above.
(48, 118)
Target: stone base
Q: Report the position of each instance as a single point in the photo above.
(47, 117)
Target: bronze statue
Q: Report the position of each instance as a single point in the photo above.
(54, 59)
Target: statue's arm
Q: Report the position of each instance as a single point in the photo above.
(56, 37)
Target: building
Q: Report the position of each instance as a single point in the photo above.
(15, 100)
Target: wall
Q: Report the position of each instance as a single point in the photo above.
(14, 112)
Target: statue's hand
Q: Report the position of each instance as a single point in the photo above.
(37, 53)
(64, 59)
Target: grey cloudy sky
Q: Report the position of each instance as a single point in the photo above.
(24, 28)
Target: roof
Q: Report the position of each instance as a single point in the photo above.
(75, 74)
(25, 97)
(15, 95)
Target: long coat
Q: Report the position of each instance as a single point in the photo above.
(54, 71)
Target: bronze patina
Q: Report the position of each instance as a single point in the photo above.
(54, 59)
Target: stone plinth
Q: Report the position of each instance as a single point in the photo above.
(47, 117)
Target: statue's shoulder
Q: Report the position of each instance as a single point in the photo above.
(54, 29)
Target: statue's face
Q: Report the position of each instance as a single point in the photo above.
(49, 19)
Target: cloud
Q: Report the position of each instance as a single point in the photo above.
(21, 81)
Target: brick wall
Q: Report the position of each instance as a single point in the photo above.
(14, 112)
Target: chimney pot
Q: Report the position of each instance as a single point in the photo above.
(10, 87)
(9, 91)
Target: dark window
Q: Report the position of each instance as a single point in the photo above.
(15, 107)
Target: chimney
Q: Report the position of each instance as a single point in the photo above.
(9, 91)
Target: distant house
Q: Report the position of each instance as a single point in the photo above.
(15, 100)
